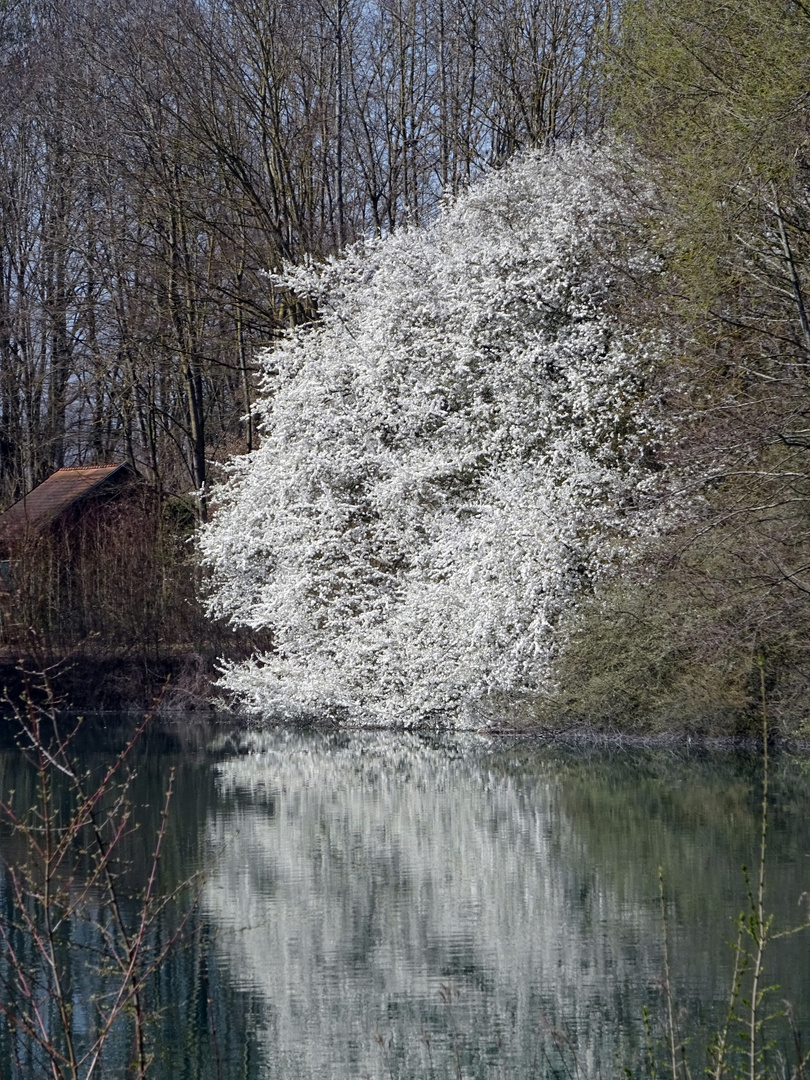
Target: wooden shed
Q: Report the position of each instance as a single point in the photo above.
(66, 495)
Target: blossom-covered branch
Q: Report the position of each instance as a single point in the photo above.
(450, 455)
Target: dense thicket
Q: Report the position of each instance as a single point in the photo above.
(157, 157)
(715, 96)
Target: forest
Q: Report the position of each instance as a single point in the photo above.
(174, 175)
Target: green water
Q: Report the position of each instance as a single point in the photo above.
(406, 906)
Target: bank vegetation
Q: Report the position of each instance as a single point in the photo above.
(158, 159)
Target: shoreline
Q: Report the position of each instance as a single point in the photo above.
(88, 681)
(180, 688)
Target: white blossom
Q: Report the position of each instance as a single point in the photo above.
(451, 453)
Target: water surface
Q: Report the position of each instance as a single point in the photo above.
(405, 906)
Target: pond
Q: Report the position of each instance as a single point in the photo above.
(406, 905)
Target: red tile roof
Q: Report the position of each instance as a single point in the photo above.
(46, 503)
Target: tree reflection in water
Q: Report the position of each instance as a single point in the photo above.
(395, 905)
(388, 894)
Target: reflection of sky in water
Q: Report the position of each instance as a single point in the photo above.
(371, 885)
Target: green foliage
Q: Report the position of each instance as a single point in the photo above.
(715, 94)
(679, 649)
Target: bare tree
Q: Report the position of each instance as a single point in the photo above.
(157, 157)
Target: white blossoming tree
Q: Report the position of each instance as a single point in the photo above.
(450, 454)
